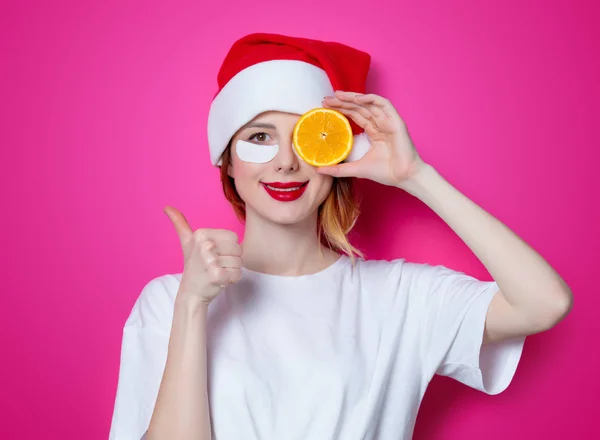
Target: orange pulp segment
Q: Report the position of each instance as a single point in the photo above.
(323, 137)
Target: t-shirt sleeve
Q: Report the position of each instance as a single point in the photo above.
(455, 307)
(143, 357)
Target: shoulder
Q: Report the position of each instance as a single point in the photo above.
(378, 276)
(406, 268)
(396, 268)
(155, 302)
(378, 267)
(408, 277)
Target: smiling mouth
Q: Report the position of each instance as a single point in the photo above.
(285, 191)
(292, 188)
(285, 187)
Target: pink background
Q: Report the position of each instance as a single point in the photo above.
(104, 123)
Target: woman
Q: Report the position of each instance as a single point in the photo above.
(291, 335)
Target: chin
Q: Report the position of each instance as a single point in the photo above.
(287, 219)
(287, 215)
(282, 213)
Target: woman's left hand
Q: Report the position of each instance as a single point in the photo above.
(392, 158)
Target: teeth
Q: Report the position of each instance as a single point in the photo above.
(283, 189)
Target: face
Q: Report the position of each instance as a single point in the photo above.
(270, 177)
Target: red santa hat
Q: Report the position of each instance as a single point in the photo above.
(265, 72)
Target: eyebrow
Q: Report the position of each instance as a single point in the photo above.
(261, 125)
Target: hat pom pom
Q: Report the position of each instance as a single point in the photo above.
(360, 147)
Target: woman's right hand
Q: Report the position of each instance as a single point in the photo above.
(211, 259)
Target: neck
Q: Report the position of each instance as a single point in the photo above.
(284, 249)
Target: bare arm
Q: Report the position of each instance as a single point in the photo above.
(212, 260)
(533, 296)
(182, 408)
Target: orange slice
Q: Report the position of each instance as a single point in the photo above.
(323, 137)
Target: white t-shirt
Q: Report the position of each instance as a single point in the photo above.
(341, 354)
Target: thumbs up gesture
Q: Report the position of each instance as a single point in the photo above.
(212, 259)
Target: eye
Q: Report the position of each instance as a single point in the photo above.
(260, 137)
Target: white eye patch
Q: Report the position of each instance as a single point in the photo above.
(249, 152)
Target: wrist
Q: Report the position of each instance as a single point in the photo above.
(190, 305)
(419, 182)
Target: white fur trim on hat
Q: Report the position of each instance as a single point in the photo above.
(360, 146)
(280, 85)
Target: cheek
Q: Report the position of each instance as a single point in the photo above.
(243, 170)
(322, 186)
(246, 177)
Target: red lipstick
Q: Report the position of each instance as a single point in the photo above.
(285, 191)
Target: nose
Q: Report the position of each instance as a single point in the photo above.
(286, 160)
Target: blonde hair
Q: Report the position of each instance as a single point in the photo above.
(336, 217)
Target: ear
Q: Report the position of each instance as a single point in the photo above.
(230, 170)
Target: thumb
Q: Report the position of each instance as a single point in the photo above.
(349, 169)
(181, 225)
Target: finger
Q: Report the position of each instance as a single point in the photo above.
(377, 111)
(360, 120)
(229, 248)
(208, 249)
(350, 169)
(230, 262)
(370, 115)
(220, 276)
(216, 235)
(221, 261)
(371, 98)
(347, 96)
(369, 111)
(179, 221)
(375, 100)
(337, 104)
(228, 275)
(234, 275)
(221, 235)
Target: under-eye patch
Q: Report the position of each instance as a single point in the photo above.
(255, 153)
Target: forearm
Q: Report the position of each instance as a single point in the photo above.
(182, 408)
(527, 281)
